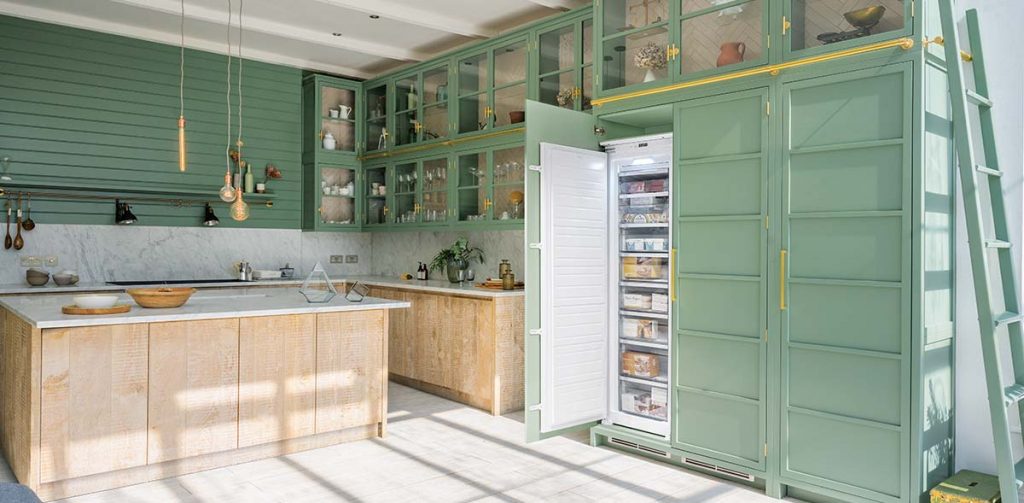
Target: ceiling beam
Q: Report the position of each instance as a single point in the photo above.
(268, 27)
(417, 17)
(557, 4)
(51, 16)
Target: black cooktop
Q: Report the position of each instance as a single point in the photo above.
(172, 282)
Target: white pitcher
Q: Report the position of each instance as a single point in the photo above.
(346, 111)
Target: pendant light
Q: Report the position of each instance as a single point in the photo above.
(227, 192)
(239, 209)
(181, 96)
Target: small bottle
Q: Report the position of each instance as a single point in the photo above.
(422, 272)
(250, 182)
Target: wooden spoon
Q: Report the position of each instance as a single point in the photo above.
(28, 224)
(8, 242)
(19, 242)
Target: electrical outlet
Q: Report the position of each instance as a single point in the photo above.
(51, 261)
(337, 259)
(351, 259)
(31, 261)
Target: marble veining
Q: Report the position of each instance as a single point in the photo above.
(398, 252)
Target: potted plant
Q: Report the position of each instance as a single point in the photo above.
(455, 259)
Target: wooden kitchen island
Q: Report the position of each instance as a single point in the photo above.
(89, 403)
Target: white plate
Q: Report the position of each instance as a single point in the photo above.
(95, 301)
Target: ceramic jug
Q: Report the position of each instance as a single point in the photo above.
(346, 111)
(731, 53)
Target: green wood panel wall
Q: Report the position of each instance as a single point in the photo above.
(94, 109)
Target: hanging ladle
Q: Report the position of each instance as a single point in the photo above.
(19, 242)
(28, 224)
(8, 242)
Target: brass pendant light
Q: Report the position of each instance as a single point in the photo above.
(182, 156)
(239, 209)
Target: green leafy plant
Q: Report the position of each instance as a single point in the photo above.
(459, 250)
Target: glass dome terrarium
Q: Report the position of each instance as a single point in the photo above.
(318, 288)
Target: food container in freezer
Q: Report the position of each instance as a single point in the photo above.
(644, 214)
(643, 329)
(652, 402)
(645, 268)
(638, 364)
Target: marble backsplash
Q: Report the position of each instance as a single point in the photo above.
(398, 252)
(110, 253)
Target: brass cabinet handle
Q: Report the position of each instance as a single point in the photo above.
(782, 280)
(672, 275)
(385, 210)
(487, 204)
(785, 25)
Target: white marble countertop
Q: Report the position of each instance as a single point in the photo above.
(44, 311)
(434, 285)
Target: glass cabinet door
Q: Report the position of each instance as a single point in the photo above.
(844, 23)
(508, 170)
(337, 119)
(564, 65)
(375, 193)
(509, 84)
(377, 135)
(338, 196)
(474, 107)
(435, 191)
(434, 104)
(718, 34)
(407, 101)
(471, 193)
(636, 44)
(405, 178)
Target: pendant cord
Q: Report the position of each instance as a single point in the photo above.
(181, 65)
(227, 150)
(239, 83)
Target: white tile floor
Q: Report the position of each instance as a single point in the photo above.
(442, 451)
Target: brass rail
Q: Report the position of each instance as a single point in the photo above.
(905, 43)
(446, 143)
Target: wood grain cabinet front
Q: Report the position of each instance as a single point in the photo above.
(276, 378)
(193, 392)
(351, 370)
(93, 400)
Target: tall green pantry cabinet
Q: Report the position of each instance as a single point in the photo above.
(812, 318)
(330, 140)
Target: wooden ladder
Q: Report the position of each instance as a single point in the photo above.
(1000, 398)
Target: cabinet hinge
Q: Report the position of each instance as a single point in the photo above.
(769, 41)
(536, 331)
(535, 246)
(535, 167)
(768, 108)
(538, 407)
(913, 8)
(766, 450)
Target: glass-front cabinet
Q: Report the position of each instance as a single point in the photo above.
(375, 117)
(375, 195)
(337, 195)
(814, 26)
(434, 193)
(489, 185)
(492, 87)
(421, 106)
(329, 108)
(564, 65)
(407, 193)
(649, 43)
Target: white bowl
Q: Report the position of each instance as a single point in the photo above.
(96, 301)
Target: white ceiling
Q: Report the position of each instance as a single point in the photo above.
(300, 33)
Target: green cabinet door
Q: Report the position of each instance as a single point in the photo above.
(846, 227)
(721, 202)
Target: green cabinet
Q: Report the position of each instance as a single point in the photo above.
(376, 116)
(491, 86)
(564, 64)
(643, 44)
(330, 166)
(421, 111)
(408, 194)
(489, 186)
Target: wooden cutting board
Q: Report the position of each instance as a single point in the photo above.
(496, 285)
(120, 308)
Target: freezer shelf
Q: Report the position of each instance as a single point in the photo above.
(643, 400)
(643, 329)
(645, 268)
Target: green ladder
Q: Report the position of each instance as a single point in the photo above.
(1000, 398)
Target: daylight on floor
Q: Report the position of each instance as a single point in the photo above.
(729, 251)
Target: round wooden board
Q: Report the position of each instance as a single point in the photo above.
(120, 308)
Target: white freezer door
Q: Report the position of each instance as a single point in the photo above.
(574, 286)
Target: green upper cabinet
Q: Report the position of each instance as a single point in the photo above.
(564, 63)
(492, 87)
(375, 115)
(330, 107)
(643, 44)
(375, 195)
(330, 137)
(421, 106)
(489, 186)
(816, 26)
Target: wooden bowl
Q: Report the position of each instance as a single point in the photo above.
(160, 298)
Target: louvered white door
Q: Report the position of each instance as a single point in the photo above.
(574, 286)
